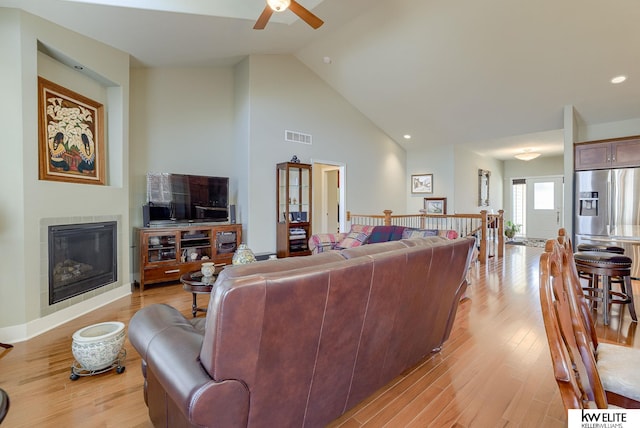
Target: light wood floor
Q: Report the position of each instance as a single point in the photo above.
(495, 370)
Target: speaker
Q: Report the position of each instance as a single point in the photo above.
(146, 218)
(232, 214)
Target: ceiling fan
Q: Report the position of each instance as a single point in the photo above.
(281, 6)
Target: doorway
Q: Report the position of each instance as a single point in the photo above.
(328, 193)
(538, 205)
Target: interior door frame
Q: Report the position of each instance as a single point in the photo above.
(342, 183)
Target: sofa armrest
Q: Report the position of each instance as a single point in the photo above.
(173, 358)
(150, 321)
(322, 242)
(170, 347)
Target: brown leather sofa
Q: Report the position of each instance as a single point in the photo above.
(299, 341)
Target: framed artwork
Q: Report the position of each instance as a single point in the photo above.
(435, 206)
(422, 183)
(483, 187)
(71, 136)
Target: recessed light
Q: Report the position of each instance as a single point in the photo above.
(407, 136)
(618, 79)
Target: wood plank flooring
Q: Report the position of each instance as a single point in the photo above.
(495, 370)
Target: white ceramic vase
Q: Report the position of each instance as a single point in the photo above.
(207, 269)
(243, 255)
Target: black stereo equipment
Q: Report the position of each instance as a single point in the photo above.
(226, 242)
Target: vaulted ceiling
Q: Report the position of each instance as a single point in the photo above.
(492, 75)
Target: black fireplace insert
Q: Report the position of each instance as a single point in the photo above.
(82, 257)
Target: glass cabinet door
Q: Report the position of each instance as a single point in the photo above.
(283, 195)
(298, 194)
(161, 247)
(294, 208)
(294, 193)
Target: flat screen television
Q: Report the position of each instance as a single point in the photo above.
(182, 198)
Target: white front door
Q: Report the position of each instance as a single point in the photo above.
(544, 207)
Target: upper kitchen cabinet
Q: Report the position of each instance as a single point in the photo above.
(615, 153)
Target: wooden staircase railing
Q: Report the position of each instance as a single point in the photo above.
(488, 229)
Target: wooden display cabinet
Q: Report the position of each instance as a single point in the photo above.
(168, 252)
(293, 197)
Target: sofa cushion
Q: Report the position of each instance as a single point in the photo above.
(357, 236)
(385, 234)
(321, 242)
(411, 233)
(448, 234)
(418, 233)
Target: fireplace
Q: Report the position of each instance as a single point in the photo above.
(82, 257)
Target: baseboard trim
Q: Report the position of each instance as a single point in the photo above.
(26, 331)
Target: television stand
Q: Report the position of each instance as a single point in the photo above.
(166, 253)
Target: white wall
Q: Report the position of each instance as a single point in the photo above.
(467, 163)
(28, 200)
(603, 131)
(286, 95)
(181, 122)
(455, 177)
(13, 298)
(231, 122)
(438, 160)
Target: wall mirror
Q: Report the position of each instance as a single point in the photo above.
(483, 187)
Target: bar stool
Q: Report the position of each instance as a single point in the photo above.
(608, 265)
(600, 248)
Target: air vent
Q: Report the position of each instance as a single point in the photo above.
(297, 137)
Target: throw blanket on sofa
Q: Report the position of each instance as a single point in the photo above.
(362, 234)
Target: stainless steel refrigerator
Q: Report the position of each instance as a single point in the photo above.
(607, 210)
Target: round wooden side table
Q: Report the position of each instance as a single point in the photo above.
(196, 283)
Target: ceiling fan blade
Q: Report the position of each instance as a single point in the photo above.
(305, 14)
(263, 18)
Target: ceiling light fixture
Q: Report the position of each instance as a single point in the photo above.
(527, 155)
(407, 136)
(618, 79)
(279, 5)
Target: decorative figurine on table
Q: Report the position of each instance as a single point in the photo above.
(295, 159)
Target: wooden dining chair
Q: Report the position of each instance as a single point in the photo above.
(574, 370)
(614, 362)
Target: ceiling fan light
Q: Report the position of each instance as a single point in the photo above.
(279, 5)
(527, 156)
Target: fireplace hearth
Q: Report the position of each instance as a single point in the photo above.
(82, 257)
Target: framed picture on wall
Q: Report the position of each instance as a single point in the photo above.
(435, 206)
(71, 135)
(483, 187)
(422, 183)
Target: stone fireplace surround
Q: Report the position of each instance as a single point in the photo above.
(48, 309)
